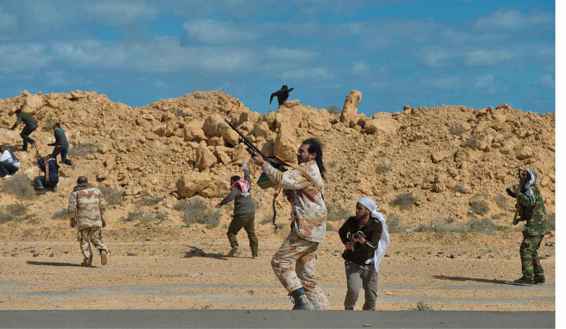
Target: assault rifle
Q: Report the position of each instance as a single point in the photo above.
(263, 181)
(253, 150)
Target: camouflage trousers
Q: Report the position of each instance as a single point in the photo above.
(88, 236)
(530, 262)
(294, 265)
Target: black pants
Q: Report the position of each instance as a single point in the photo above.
(247, 222)
(25, 136)
(63, 150)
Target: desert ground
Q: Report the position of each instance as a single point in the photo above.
(439, 175)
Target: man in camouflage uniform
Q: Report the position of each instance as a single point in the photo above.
(244, 212)
(86, 206)
(530, 208)
(295, 262)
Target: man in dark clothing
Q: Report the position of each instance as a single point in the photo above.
(50, 169)
(61, 145)
(29, 126)
(282, 94)
(530, 208)
(361, 236)
(244, 212)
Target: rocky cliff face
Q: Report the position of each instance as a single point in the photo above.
(424, 165)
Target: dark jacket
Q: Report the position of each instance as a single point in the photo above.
(361, 253)
(26, 118)
(243, 203)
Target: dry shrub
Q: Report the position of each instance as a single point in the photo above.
(404, 201)
(20, 186)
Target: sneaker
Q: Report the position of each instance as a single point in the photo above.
(103, 257)
(539, 279)
(303, 304)
(233, 252)
(524, 281)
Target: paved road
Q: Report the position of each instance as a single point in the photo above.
(272, 319)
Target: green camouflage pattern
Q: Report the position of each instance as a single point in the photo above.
(530, 262)
(533, 211)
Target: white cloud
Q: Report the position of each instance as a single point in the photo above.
(288, 54)
(486, 57)
(437, 57)
(23, 57)
(512, 20)
(486, 82)
(360, 68)
(56, 78)
(216, 32)
(312, 73)
(445, 82)
(120, 12)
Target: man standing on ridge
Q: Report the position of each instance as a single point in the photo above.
(295, 262)
(281, 94)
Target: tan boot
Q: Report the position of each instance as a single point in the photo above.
(103, 257)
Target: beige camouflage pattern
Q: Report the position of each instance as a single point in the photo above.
(87, 205)
(88, 236)
(303, 188)
(294, 265)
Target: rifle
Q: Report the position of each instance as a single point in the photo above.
(263, 181)
(253, 150)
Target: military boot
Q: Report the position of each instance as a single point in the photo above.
(87, 262)
(524, 280)
(234, 252)
(539, 279)
(302, 303)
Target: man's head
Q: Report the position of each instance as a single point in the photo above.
(82, 180)
(284, 87)
(362, 212)
(234, 179)
(57, 125)
(311, 149)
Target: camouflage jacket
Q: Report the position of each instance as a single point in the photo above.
(532, 211)
(303, 187)
(86, 205)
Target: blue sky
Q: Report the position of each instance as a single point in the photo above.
(475, 53)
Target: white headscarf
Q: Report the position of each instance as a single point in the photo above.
(529, 184)
(384, 241)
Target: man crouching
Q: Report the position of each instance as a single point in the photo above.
(86, 206)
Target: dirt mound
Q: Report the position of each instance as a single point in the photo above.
(423, 165)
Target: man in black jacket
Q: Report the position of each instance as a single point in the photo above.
(281, 94)
(361, 235)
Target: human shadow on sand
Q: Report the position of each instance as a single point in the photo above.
(197, 252)
(31, 262)
(463, 278)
